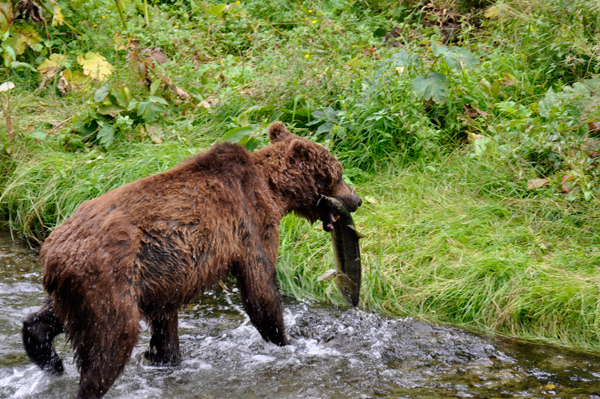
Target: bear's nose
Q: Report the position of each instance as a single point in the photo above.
(358, 200)
(352, 202)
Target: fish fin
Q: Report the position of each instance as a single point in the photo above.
(328, 275)
(357, 233)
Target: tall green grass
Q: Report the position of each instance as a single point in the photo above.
(47, 188)
(441, 248)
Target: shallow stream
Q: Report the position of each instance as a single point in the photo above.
(334, 353)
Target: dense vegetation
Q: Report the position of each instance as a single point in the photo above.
(470, 129)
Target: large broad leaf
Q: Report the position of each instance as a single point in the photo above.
(21, 37)
(461, 58)
(6, 16)
(326, 127)
(439, 50)
(101, 93)
(456, 57)
(403, 59)
(51, 65)
(537, 183)
(121, 95)
(431, 87)
(244, 136)
(106, 135)
(214, 10)
(21, 65)
(111, 110)
(95, 66)
(149, 111)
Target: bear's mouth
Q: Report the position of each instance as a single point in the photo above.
(326, 213)
(350, 202)
(330, 209)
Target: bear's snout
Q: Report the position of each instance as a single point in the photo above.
(346, 195)
(350, 202)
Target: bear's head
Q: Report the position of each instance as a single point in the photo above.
(301, 171)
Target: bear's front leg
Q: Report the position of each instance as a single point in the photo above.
(164, 344)
(261, 298)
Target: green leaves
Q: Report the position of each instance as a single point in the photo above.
(117, 111)
(244, 136)
(149, 110)
(106, 135)
(431, 87)
(456, 57)
(17, 40)
(214, 10)
(431, 82)
(101, 93)
(403, 59)
(238, 134)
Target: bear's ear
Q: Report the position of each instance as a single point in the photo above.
(278, 132)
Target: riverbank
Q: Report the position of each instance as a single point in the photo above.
(476, 155)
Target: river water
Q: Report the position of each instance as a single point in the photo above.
(334, 353)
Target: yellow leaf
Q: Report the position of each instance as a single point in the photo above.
(50, 66)
(95, 66)
(23, 36)
(72, 81)
(119, 44)
(507, 80)
(58, 17)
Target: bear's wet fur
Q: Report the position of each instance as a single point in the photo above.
(142, 251)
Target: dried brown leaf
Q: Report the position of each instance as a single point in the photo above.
(536, 183)
(155, 54)
(473, 136)
(594, 127)
(567, 184)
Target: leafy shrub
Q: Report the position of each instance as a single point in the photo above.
(553, 135)
(558, 38)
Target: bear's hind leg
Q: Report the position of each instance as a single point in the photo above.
(39, 330)
(103, 344)
(164, 344)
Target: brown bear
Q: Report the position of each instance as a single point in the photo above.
(142, 251)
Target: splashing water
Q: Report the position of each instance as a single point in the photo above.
(333, 353)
